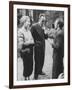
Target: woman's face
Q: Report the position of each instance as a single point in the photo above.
(27, 23)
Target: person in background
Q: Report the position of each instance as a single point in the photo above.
(39, 36)
(58, 52)
(25, 46)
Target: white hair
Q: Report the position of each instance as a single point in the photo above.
(57, 20)
(24, 19)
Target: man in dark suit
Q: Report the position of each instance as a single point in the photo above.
(58, 52)
(39, 39)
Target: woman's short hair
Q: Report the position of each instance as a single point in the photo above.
(24, 19)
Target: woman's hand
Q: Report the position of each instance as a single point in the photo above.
(26, 50)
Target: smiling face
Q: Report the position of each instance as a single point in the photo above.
(27, 23)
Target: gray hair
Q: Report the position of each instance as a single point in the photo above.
(58, 20)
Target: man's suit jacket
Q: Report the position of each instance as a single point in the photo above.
(58, 44)
(38, 35)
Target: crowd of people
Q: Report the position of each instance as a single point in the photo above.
(31, 46)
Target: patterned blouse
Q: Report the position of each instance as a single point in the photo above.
(24, 37)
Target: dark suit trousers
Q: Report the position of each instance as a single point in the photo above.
(57, 64)
(39, 59)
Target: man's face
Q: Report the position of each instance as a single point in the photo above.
(42, 20)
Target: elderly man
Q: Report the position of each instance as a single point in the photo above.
(58, 52)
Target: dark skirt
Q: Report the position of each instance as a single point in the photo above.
(27, 61)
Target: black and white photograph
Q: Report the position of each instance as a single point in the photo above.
(40, 44)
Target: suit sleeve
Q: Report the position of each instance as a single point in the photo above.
(51, 34)
(58, 42)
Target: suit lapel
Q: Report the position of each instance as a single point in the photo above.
(39, 30)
